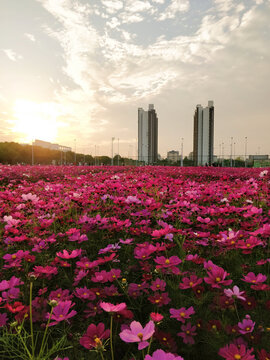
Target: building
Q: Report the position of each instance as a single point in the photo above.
(203, 137)
(147, 135)
(173, 156)
(51, 146)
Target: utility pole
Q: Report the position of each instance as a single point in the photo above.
(222, 162)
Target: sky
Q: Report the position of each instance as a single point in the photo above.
(75, 72)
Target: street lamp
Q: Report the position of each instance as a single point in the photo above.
(182, 148)
(75, 151)
(32, 153)
(222, 163)
(118, 154)
(112, 149)
(231, 151)
(246, 151)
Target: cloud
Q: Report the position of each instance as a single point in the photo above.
(112, 65)
(175, 7)
(12, 55)
(30, 37)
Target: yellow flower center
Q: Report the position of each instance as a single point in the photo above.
(164, 339)
(247, 328)
(191, 283)
(13, 256)
(182, 314)
(167, 261)
(187, 332)
(140, 336)
(237, 356)
(218, 279)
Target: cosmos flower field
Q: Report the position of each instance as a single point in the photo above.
(154, 263)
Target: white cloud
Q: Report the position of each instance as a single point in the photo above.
(175, 7)
(12, 55)
(30, 37)
(112, 6)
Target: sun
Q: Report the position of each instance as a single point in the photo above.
(35, 120)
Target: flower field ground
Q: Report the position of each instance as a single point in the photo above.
(154, 263)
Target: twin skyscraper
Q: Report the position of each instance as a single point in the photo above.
(203, 135)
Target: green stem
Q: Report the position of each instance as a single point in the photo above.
(31, 319)
(236, 311)
(111, 342)
(45, 334)
(24, 345)
(148, 350)
(101, 355)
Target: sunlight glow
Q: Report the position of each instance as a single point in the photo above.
(35, 120)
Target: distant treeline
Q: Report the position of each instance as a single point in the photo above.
(14, 153)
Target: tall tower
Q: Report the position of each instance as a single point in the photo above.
(147, 135)
(203, 137)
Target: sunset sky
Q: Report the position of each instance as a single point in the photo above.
(79, 69)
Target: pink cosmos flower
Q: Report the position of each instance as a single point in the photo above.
(216, 277)
(93, 336)
(254, 279)
(3, 319)
(182, 314)
(187, 333)
(84, 293)
(156, 317)
(161, 355)
(159, 299)
(138, 334)
(46, 271)
(234, 352)
(246, 326)
(108, 307)
(168, 263)
(235, 293)
(61, 312)
(66, 255)
(190, 282)
(158, 284)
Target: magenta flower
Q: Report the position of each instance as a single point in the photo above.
(216, 277)
(246, 326)
(3, 319)
(112, 308)
(235, 293)
(187, 333)
(254, 279)
(234, 352)
(156, 317)
(161, 355)
(158, 284)
(138, 334)
(61, 312)
(182, 314)
(66, 255)
(190, 282)
(93, 336)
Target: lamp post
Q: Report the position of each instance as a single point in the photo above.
(182, 148)
(112, 149)
(234, 153)
(118, 154)
(222, 162)
(32, 153)
(231, 151)
(246, 151)
(74, 151)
